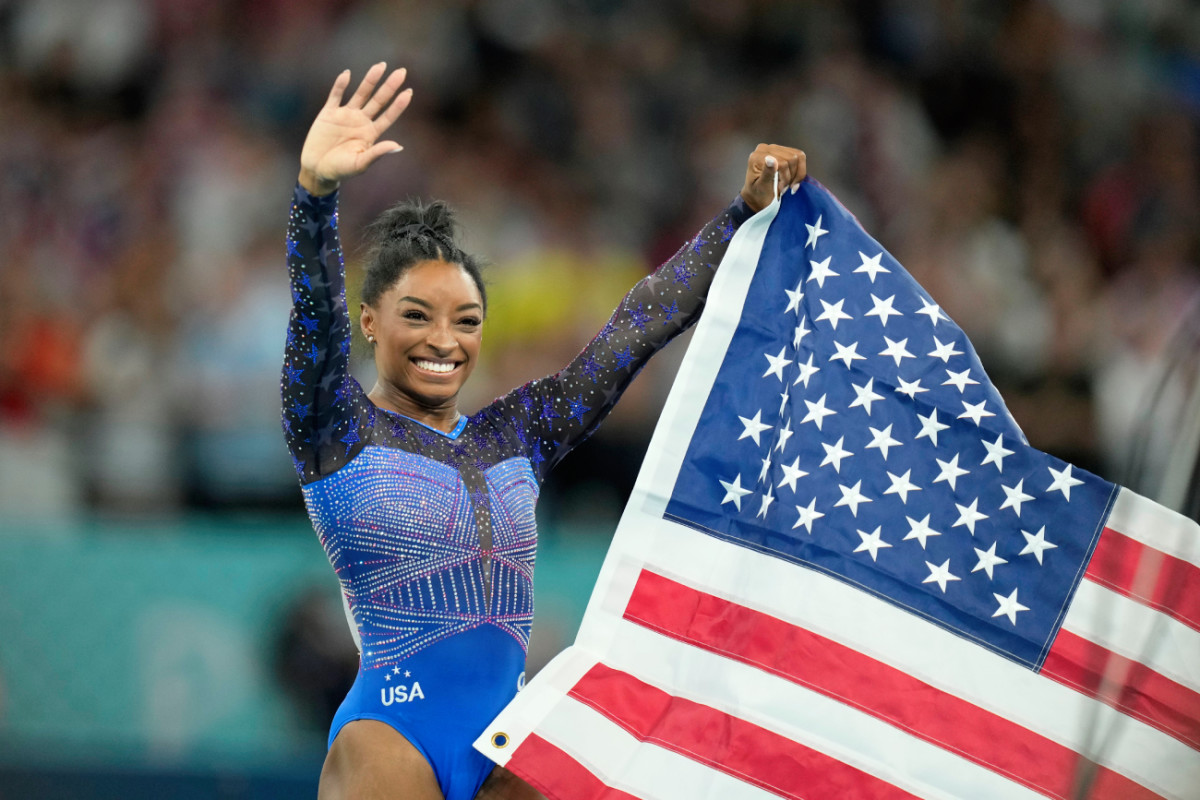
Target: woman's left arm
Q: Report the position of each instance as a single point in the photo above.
(568, 406)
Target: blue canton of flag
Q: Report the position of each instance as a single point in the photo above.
(852, 430)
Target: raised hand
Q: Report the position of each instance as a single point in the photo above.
(343, 139)
(767, 160)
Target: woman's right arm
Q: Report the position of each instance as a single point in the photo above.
(322, 404)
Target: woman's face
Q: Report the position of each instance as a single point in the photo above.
(427, 327)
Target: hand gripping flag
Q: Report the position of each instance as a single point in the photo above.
(844, 574)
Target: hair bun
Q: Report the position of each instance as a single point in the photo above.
(415, 218)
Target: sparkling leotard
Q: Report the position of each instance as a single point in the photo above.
(432, 535)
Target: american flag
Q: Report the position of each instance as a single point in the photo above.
(844, 573)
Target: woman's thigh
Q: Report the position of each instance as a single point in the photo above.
(503, 785)
(370, 760)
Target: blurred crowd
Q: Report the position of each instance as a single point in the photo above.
(1034, 163)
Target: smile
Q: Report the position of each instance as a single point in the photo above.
(435, 366)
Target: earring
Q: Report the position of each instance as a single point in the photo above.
(371, 339)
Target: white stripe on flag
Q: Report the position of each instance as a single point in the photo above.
(645, 770)
(1156, 526)
(808, 717)
(1135, 631)
(891, 635)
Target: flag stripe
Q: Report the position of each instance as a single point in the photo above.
(1155, 525)
(555, 774)
(725, 742)
(1125, 626)
(837, 671)
(1147, 695)
(1118, 562)
(950, 663)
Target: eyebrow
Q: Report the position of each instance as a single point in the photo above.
(426, 304)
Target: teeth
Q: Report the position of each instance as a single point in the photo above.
(433, 366)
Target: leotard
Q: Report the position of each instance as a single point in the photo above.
(432, 535)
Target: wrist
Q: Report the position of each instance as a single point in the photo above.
(315, 184)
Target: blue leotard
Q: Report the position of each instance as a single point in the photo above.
(431, 534)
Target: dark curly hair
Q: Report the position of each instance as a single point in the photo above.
(411, 232)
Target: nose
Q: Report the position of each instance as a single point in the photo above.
(441, 339)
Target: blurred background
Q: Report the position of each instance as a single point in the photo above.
(169, 626)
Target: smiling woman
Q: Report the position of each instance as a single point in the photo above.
(423, 307)
(427, 515)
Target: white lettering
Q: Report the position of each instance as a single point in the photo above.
(521, 681)
(401, 694)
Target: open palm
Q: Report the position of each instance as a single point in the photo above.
(344, 138)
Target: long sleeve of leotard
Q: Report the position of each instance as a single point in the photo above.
(324, 409)
(558, 412)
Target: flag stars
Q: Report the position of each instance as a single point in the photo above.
(910, 388)
(1036, 544)
(835, 453)
(920, 530)
(785, 433)
(820, 271)
(808, 515)
(777, 363)
(950, 472)
(1063, 481)
(852, 497)
(802, 330)
(931, 310)
(871, 265)
(807, 370)
(846, 354)
(791, 474)
(988, 560)
(940, 575)
(767, 499)
(896, 350)
(882, 440)
(901, 485)
(754, 427)
(866, 395)
(975, 411)
(1014, 496)
(817, 412)
(969, 515)
(1009, 606)
(815, 232)
(943, 351)
(795, 297)
(883, 309)
(833, 313)
(930, 426)
(766, 468)
(959, 380)
(734, 492)
(872, 542)
(996, 452)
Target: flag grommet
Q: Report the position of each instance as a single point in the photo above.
(500, 740)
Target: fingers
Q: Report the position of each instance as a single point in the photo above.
(367, 86)
(339, 87)
(392, 112)
(377, 150)
(385, 92)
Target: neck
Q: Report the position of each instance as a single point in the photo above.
(443, 416)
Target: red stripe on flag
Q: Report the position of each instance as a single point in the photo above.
(887, 693)
(558, 776)
(726, 743)
(1141, 692)
(1117, 562)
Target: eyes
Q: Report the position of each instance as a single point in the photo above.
(419, 316)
